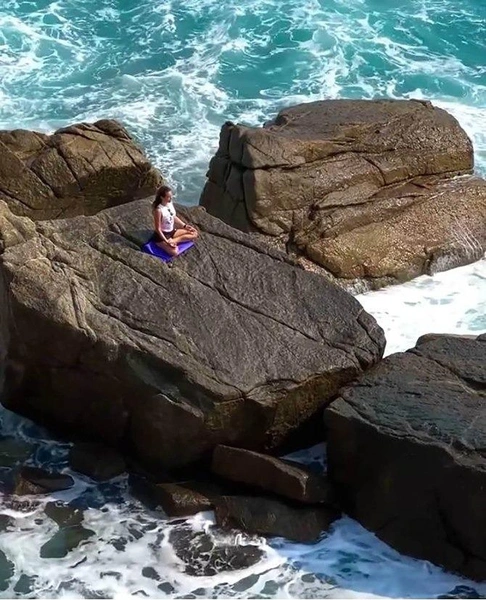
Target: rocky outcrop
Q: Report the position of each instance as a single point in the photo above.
(359, 190)
(406, 451)
(233, 345)
(80, 169)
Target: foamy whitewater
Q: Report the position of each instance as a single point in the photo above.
(173, 71)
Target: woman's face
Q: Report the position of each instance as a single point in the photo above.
(168, 197)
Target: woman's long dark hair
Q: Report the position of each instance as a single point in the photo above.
(160, 195)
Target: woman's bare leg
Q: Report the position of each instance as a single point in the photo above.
(172, 250)
(182, 235)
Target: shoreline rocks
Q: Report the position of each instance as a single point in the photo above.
(361, 191)
(406, 451)
(80, 169)
(233, 345)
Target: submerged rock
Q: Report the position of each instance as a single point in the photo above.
(64, 541)
(13, 451)
(7, 570)
(406, 451)
(234, 344)
(359, 190)
(272, 474)
(64, 514)
(80, 169)
(204, 554)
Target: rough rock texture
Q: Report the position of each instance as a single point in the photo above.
(268, 516)
(80, 169)
(406, 451)
(232, 345)
(275, 475)
(361, 188)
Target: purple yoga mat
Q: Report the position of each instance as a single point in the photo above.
(154, 250)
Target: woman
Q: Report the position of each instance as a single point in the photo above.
(169, 230)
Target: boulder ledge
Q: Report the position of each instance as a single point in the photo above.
(234, 344)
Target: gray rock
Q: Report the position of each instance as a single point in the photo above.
(406, 451)
(233, 345)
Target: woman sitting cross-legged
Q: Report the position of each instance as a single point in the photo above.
(169, 230)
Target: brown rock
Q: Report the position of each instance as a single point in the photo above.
(179, 500)
(406, 451)
(275, 475)
(80, 169)
(266, 516)
(358, 190)
(102, 341)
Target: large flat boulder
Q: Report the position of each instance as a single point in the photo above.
(235, 344)
(80, 169)
(406, 451)
(361, 190)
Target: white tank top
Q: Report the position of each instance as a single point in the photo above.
(167, 213)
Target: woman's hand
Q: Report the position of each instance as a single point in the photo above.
(190, 228)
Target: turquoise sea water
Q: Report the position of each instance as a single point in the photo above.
(173, 71)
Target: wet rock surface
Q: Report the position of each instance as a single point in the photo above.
(269, 516)
(96, 461)
(204, 556)
(281, 477)
(32, 480)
